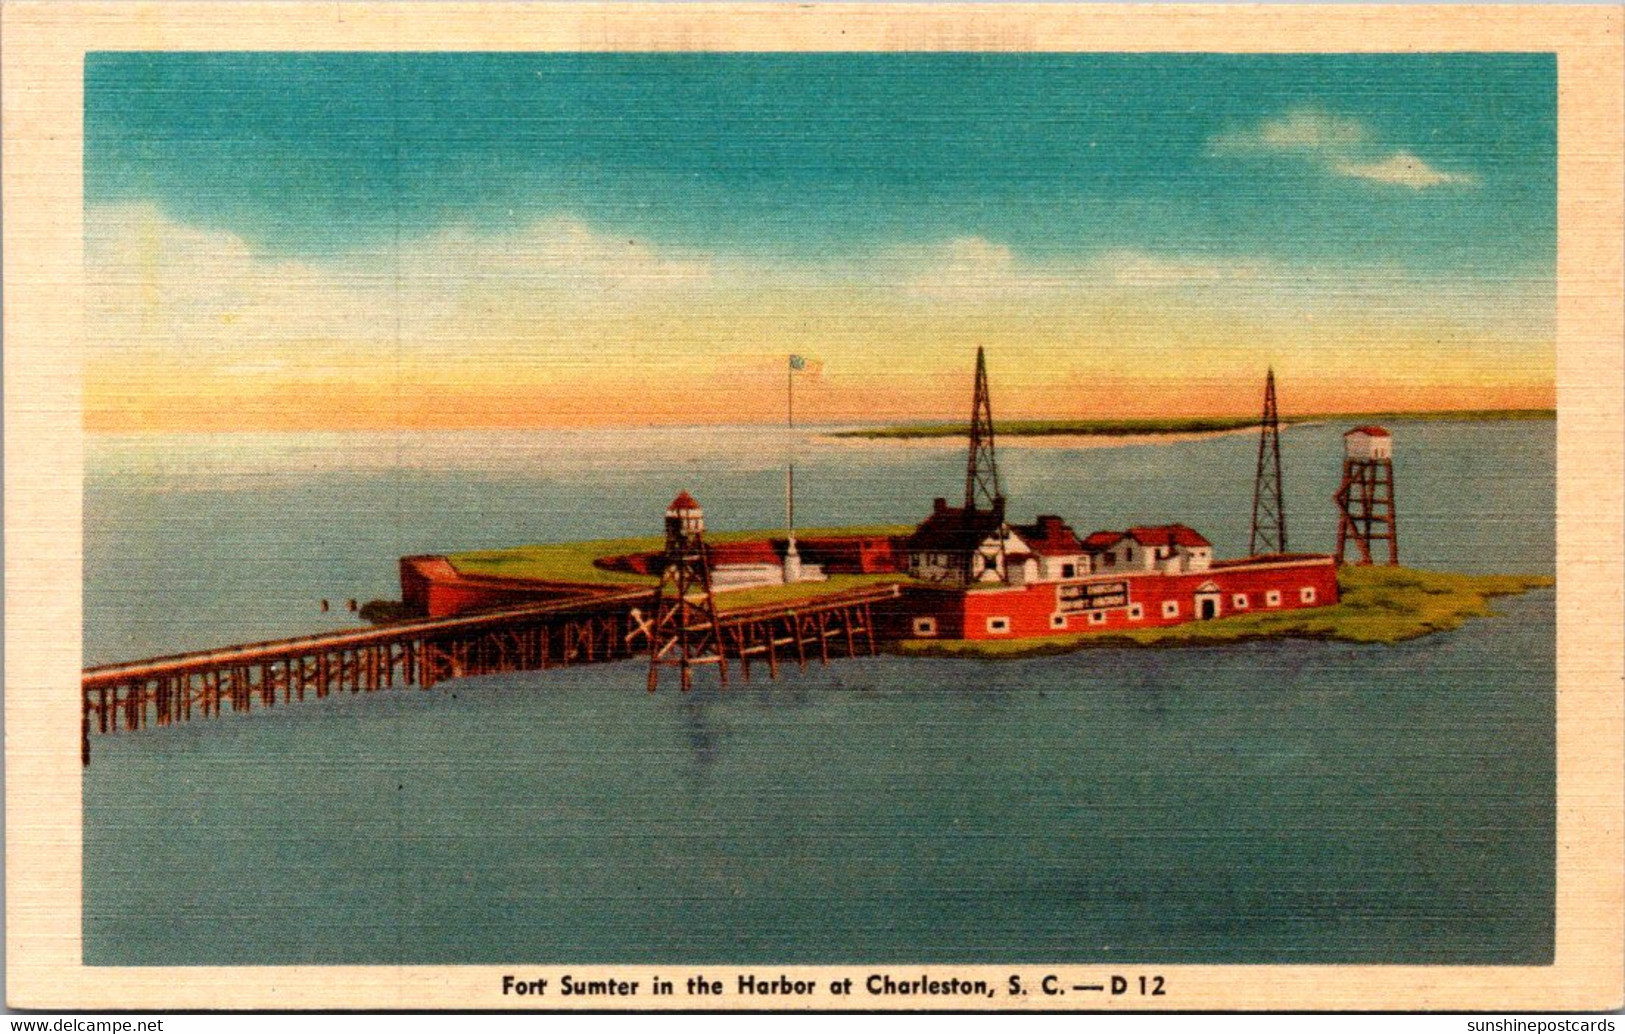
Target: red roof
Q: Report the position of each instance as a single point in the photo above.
(1371, 430)
(1169, 535)
(684, 501)
(1102, 540)
(1050, 536)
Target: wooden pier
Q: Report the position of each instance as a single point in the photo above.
(803, 632)
(421, 653)
(592, 628)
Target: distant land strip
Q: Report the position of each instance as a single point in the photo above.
(1181, 425)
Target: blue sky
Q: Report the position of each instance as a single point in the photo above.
(1411, 176)
(834, 152)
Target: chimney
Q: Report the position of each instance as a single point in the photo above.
(939, 504)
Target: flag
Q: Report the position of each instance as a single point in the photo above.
(801, 364)
(798, 362)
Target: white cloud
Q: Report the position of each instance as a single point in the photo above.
(1401, 169)
(549, 253)
(976, 268)
(1303, 130)
(174, 301)
(1337, 145)
(158, 285)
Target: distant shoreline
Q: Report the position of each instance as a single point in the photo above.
(1183, 426)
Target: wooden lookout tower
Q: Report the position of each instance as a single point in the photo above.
(1365, 499)
(1269, 504)
(684, 631)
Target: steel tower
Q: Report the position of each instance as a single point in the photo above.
(1269, 506)
(982, 468)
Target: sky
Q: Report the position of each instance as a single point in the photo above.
(328, 241)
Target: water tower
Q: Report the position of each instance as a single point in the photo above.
(684, 631)
(1365, 500)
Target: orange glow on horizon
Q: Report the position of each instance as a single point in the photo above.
(114, 405)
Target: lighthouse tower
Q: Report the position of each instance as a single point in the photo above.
(684, 631)
(1365, 500)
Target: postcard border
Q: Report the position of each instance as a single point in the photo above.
(42, 91)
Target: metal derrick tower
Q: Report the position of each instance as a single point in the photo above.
(1365, 499)
(982, 468)
(1269, 506)
(982, 492)
(684, 630)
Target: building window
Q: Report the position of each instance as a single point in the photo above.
(1272, 598)
(925, 626)
(1170, 608)
(1307, 594)
(1057, 621)
(1136, 612)
(1239, 601)
(998, 625)
(1069, 570)
(1130, 557)
(1097, 617)
(1111, 559)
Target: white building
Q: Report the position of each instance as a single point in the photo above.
(1168, 548)
(1055, 552)
(1368, 443)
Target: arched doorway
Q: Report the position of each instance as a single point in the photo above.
(1207, 601)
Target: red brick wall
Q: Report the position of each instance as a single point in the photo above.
(1030, 609)
(869, 554)
(432, 587)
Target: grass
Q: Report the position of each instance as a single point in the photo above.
(737, 598)
(1179, 425)
(573, 561)
(1378, 605)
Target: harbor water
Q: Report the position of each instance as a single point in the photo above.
(1287, 801)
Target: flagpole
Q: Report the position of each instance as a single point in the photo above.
(790, 474)
(792, 558)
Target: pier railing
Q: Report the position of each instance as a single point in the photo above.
(180, 687)
(805, 629)
(593, 627)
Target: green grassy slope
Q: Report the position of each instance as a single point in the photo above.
(573, 561)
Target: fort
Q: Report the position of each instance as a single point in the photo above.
(963, 572)
(964, 581)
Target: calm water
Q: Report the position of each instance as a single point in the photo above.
(1270, 802)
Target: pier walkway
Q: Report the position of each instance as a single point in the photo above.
(594, 627)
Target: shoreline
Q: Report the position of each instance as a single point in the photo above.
(1047, 440)
(1140, 431)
